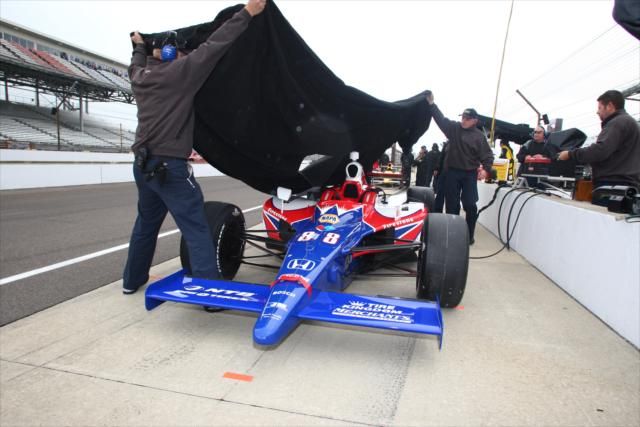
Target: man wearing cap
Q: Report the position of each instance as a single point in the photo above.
(164, 86)
(615, 156)
(467, 149)
(536, 147)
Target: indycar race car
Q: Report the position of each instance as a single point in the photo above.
(325, 237)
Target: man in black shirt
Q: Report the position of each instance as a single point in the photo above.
(164, 86)
(533, 148)
(468, 149)
(615, 156)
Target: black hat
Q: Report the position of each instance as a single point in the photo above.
(470, 112)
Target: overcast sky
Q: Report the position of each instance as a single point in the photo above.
(561, 54)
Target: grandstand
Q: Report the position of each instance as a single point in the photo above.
(50, 67)
(27, 126)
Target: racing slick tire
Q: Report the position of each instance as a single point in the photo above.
(226, 223)
(443, 260)
(422, 195)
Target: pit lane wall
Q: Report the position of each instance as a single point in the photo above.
(36, 169)
(592, 254)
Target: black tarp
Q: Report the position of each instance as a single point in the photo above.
(568, 139)
(627, 14)
(271, 101)
(506, 131)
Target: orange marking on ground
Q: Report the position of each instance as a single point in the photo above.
(239, 377)
(460, 307)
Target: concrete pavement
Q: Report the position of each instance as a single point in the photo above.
(519, 351)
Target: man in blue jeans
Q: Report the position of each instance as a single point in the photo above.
(467, 150)
(164, 87)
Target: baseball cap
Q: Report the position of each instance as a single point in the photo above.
(470, 113)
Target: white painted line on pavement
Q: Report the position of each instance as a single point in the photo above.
(62, 264)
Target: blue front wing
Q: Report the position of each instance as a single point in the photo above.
(284, 305)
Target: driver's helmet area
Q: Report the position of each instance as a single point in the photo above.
(355, 184)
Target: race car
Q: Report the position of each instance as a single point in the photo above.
(324, 239)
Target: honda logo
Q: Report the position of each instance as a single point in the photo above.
(301, 264)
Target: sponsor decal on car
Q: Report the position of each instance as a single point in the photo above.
(200, 291)
(399, 222)
(285, 293)
(329, 219)
(278, 305)
(373, 311)
(301, 264)
(272, 316)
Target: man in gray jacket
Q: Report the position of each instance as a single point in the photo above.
(467, 150)
(164, 87)
(615, 156)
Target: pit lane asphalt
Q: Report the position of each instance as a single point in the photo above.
(41, 227)
(517, 352)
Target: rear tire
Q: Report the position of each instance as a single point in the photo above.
(226, 223)
(422, 195)
(443, 260)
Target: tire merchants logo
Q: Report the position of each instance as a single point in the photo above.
(373, 311)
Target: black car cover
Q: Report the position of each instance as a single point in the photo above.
(627, 14)
(270, 102)
(506, 131)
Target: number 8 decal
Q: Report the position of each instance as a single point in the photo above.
(331, 238)
(307, 235)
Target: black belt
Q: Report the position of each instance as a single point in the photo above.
(164, 158)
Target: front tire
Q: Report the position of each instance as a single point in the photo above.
(226, 223)
(443, 260)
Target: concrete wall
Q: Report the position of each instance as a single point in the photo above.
(592, 254)
(36, 169)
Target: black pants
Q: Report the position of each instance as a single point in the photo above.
(179, 194)
(438, 206)
(461, 185)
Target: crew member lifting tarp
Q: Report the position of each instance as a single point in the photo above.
(271, 101)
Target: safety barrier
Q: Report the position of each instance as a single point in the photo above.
(590, 253)
(21, 169)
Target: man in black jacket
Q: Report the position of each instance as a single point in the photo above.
(421, 167)
(164, 87)
(467, 150)
(533, 148)
(433, 160)
(615, 156)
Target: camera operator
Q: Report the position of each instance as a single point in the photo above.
(164, 86)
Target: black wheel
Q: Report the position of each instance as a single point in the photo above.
(443, 260)
(422, 195)
(226, 223)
